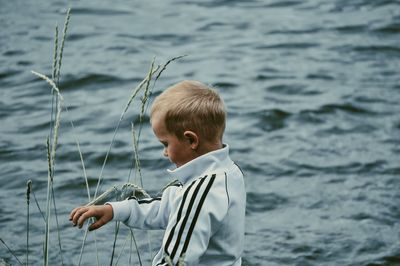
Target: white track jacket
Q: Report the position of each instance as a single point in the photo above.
(203, 217)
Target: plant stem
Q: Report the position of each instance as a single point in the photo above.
(12, 252)
(47, 230)
(28, 196)
(62, 45)
(115, 242)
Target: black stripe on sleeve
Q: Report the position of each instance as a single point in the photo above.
(184, 221)
(171, 233)
(148, 200)
(196, 215)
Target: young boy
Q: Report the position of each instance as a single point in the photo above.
(203, 217)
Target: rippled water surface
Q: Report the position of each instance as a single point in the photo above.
(313, 92)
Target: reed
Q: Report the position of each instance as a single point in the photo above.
(66, 23)
(28, 197)
(11, 251)
(55, 54)
(47, 221)
(136, 154)
(132, 243)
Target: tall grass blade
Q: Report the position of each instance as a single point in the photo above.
(52, 84)
(28, 197)
(47, 230)
(136, 155)
(62, 44)
(132, 237)
(83, 244)
(37, 204)
(95, 245)
(115, 241)
(164, 67)
(54, 73)
(80, 154)
(55, 54)
(58, 225)
(12, 252)
(136, 246)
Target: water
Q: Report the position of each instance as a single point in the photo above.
(313, 91)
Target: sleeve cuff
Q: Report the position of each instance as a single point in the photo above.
(121, 210)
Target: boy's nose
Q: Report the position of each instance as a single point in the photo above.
(165, 153)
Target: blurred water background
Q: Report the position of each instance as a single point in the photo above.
(313, 92)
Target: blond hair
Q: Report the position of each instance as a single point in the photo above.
(191, 105)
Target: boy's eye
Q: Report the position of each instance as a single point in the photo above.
(165, 144)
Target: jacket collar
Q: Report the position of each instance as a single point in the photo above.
(202, 165)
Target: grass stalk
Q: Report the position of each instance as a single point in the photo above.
(117, 224)
(83, 244)
(48, 80)
(58, 225)
(146, 92)
(28, 197)
(62, 45)
(136, 246)
(80, 154)
(10, 250)
(47, 230)
(122, 249)
(54, 73)
(136, 155)
(95, 245)
(37, 205)
(55, 54)
(131, 236)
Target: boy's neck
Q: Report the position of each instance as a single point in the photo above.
(207, 147)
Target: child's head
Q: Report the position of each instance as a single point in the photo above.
(190, 107)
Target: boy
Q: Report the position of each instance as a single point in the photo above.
(203, 217)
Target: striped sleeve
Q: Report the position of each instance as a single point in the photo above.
(151, 213)
(203, 206)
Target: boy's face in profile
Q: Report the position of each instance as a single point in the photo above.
(178, 151)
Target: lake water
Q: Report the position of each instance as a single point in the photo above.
(312, 88)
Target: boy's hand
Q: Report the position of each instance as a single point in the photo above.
(103, 215)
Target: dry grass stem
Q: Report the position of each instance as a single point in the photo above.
(10, 250)
(55, 54)
(48, 80)
(62, 44)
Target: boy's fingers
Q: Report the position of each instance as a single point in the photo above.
(84, 214)
(97, 225)
(78, 214)
(71, 215)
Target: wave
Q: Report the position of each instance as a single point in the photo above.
(348, 108)
(89, 80)
(100, 12)
(369, 168)
(292, 45)
(292, 89)
(262, 202)
(270, 120)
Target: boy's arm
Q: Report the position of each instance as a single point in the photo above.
(151, 213)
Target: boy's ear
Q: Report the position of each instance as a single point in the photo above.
(192, 138)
